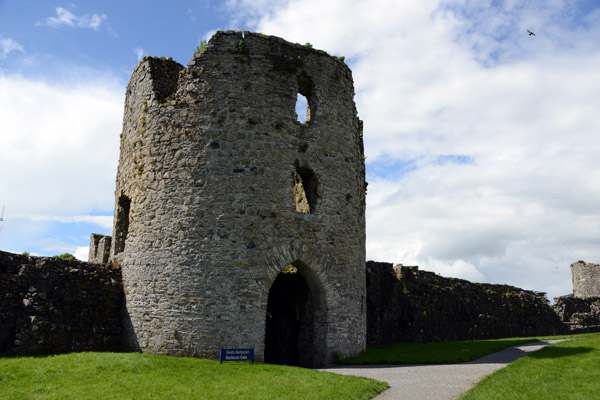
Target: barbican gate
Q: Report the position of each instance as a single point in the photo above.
(236, 224)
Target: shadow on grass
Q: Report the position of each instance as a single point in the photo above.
(50, 354)
(557, 352)
(505, 356)
(511, 354)
(30, 355)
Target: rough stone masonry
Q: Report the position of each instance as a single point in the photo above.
(52, 305)
(586, 279)
(581, 311)
(237, 225)
(405, 304)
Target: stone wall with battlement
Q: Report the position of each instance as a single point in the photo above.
(408, 305)
(579, 315)
(52, 305)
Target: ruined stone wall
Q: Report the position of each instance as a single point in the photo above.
(579, 315)
(586, 279)
(207, 209)
(408, 305)
(51, 305)
(99, 248)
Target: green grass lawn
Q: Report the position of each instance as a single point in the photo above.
(567, 370)
(142, 376)
(433, 353)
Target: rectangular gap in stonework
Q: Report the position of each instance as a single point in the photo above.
(122, 224)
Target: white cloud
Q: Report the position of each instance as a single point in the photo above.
(140, 53)
(8, 45)
(104, 221)
(190, 14)
(54, 246)
(63, 142)
(244, 14)
(459, 269)
(64, 147)
(66, 18)
(82, 253)
(438, 78)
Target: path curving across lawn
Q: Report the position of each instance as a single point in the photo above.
(439, 382)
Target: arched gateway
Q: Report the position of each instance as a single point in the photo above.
(236, 225)
(296, 322)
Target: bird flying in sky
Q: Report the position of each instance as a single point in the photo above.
(530, 33)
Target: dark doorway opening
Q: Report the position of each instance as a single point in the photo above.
(290, 327)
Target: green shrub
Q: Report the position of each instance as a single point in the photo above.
(200, 49)
(241, 46)
(66, 256)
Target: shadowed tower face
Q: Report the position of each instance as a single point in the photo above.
(236, 224)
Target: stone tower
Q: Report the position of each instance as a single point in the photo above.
(586, 279)
(237, 225)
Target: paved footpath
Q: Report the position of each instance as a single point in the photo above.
(438, 382)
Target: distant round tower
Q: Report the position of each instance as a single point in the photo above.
(236, 224)
(586, 279)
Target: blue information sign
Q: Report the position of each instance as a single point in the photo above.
(236, 355)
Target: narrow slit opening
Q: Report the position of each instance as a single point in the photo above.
(305, 101)
(302, 109)
(122, 223)
(305, 191)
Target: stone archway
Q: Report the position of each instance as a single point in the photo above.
(296, 319)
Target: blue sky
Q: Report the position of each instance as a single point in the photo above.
(104, 36)
(67, 49)
(481, 140)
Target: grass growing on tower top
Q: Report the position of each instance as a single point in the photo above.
(141, 376)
